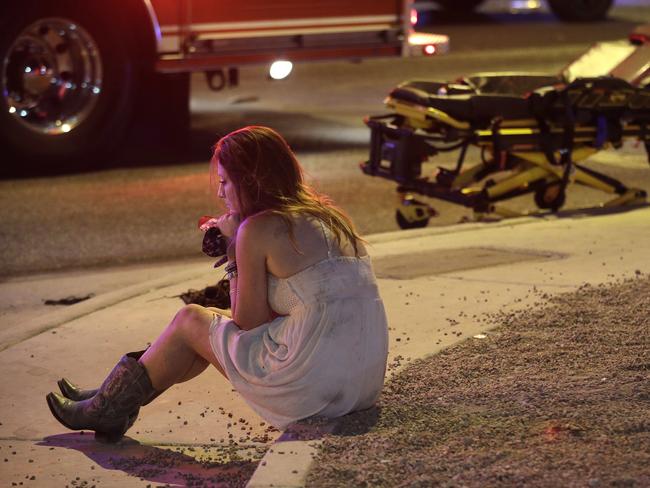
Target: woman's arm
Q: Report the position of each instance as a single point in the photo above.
(248, 290)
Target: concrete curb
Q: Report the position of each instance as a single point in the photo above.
(62, 316)
(285, 464)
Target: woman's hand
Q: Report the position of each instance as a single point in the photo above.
(228, 224)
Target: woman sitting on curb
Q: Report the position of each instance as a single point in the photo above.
(307, 334)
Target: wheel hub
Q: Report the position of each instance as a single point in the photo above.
(52, 76)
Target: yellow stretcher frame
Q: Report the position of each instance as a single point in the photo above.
(609, 85)
(531, 166)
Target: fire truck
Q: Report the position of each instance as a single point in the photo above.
(76, 74)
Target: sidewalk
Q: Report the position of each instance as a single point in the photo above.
(439, 285)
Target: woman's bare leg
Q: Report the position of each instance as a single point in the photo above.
(183, 350)
(196, 369)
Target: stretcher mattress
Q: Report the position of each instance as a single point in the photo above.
(479, 99)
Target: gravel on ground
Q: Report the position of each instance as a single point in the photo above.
(555, 395)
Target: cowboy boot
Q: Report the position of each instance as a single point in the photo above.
(108, 413)
(73, 392)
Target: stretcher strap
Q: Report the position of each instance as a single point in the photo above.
(614, 131)
(643, 134)
(546, 137)
(569, 130)
(545, 140)
(566, 161)
(601, 131)
(500, 155)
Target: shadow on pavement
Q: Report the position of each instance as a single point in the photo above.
(353, 424)
(592, 211)
(156, 464)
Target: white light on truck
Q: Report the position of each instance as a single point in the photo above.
(280, 69)
(429, 49)
(422, 43)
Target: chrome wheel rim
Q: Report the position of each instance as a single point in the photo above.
(52, 76)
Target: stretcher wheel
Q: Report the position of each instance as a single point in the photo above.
(413, 214)
(551, 196)
(406, 224)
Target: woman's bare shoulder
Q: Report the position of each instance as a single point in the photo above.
(264, 225)
(264, 220)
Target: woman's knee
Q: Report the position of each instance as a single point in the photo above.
(220, 311)
(190, 318)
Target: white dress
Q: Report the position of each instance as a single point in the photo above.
(326, 355)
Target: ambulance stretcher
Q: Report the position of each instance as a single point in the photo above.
(533, 131)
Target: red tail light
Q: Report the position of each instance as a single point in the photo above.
(414, 16)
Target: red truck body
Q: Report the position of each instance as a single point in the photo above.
(206, 34)
(75, 73)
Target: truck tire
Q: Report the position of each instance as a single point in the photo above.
(580, 10)
(459, 5)
(66, 86)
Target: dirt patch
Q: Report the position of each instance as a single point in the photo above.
(554, 396)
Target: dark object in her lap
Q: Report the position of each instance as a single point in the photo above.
(211, 296)
(215, 245)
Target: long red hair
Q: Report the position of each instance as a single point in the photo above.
(268, 177)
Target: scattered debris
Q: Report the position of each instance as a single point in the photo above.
(71, 300)
(211, 296)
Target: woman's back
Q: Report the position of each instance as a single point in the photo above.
(313, 242)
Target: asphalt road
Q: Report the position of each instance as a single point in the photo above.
(145, 207)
